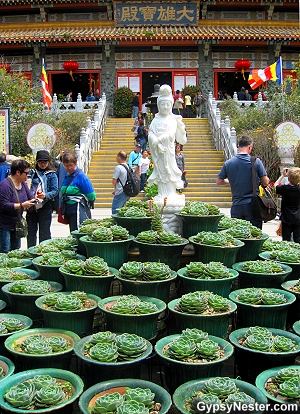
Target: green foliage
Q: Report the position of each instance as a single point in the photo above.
(123, 102)
(190, 90)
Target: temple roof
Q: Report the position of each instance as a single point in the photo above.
(205, 31)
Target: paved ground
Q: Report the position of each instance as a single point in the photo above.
(61, 230)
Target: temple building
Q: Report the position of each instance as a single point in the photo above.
(100, 45)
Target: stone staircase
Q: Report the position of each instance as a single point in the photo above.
(202, 162)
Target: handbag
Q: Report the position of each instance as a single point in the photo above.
(60, 217)
(21, 225)
(264, 208)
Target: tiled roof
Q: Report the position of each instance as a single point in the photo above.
(203, 32)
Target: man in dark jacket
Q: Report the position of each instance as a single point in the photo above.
(135, 105)
(4, 167)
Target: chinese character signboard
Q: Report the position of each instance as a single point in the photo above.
(4, 130)
(156, 13)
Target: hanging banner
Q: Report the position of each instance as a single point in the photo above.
(156, 13)
(5, 130)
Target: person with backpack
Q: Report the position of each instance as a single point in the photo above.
(118, 181)
(4, 167)
(44, 185)
(142, 136)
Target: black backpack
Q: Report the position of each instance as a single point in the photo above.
(132, 184)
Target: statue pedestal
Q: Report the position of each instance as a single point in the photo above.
(174, 204)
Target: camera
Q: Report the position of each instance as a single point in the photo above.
(287, 170)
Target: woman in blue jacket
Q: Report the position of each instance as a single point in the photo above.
(44, 184)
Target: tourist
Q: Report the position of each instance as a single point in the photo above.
(119, 179)
(143, 168)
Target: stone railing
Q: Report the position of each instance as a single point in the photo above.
(223, 135)
(78, 106)
(91, 135)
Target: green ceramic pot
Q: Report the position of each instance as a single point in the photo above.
(25, 361)
(26, 322)
(213, 324)
(296, 327)
(32, 273)
(8, 367)
(295, 272)
(220, 287)
(119, 385)
(270, 316)
(188, 389)
(63, 408)
(251, 363)
(81, 247)
(141, 325)
(179, 372)
(165, 253)
(251, 248)
(265, 376)
(2, 305)
(134, 225)
(207, 253)
(96, 285)
(155, 288)
(294, 310)
(48, 272)
(97, 371)
(115, 253)
(194, 224)
(79, 321)
(263, 280)
(25, 304)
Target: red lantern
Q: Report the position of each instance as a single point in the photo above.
(242, 65)
(5, 66)
(71, 66)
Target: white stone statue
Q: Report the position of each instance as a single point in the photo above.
(165, 129)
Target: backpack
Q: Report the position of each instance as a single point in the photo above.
(132, 184)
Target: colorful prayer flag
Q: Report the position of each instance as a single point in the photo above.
(47, 98)
(273, 72)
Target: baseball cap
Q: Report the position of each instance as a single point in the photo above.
(138, 145)
(42, 155)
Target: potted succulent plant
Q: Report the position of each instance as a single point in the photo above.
(106, 356)
(9, 262)
(87, 227)
(190, 355)
(259, 273)
(135, 396)
(281, 385)
(69, 310)
(9, 324)
(60, 244)
(288, 256)
(23, 293)
(152, 279)
(161, 246)
(132, 314)
(135, 216)
(193, 396)
(212, 276)
(198, 216)
(110, 243)
(41, 348)
(40, 391)
(262, 307)
(7, 368)
(92, 275)
(259, 348)
(202, 310)
(213, 247)
(252, 237)
(8, 275)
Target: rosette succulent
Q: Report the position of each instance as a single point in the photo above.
(195, 334)
(262, 339)
(260, 266)
(45, 380)
(287, 256)
(130, 346)
(207, 399)
(12, 274)
(21, 395)
(208, 349)
(259, 343)
(285, 385)
(100, 337)
(134, 208)
(182, 349)
(286, 374)
(30, 287)
(109, 234)
(283, 344)
(244, 232)
(119, 232)
(52, 259)
(202, 302)
(222, 387)
(40, 344)
(163, 237)
(12, 324)
(215, 239)
(132, 407)
(49, 396)
(199, 208)
(68, 303)
(212, 270)
(140, 395)
(260, 296)
(239, 397)
(104, 352)
(290, 388)
(19, 254)
(131, 270)
(130, 304)
(108, 403)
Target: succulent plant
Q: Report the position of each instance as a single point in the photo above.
(12, 324)
(104, 352)
(50, 300)
(259, 343)
(208, 349)
(218, 303)
(119, 232)
(43, 380)
(167, 237)
(58, 343)
(286, 374)
(108, 403)
(259, 296)
(3, 329)
(102, 234)
(222, 387)
(11, 274)
(140, 395)
(19, 254)
(131, 270)
(258, 330)
(27, 287)
(95, 266)
(283, 344)
(40, 344)
(68, 303)
(147, 236)
(215, 239)
(132, 407)
(134, 208)
(74, 266)
(130, 346)
(182, 349)
(49, 396)
(156, 222)
(239, 397)
(194, 302)
(40, 348)
(271, 298)
(259, 266)
(195, 334)
(135, 212)
(290, 388)
(130, 304)
(52, 259)
(33, 338)
(162, 237)
(21, 395)
(101, 337)
(156, 271)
